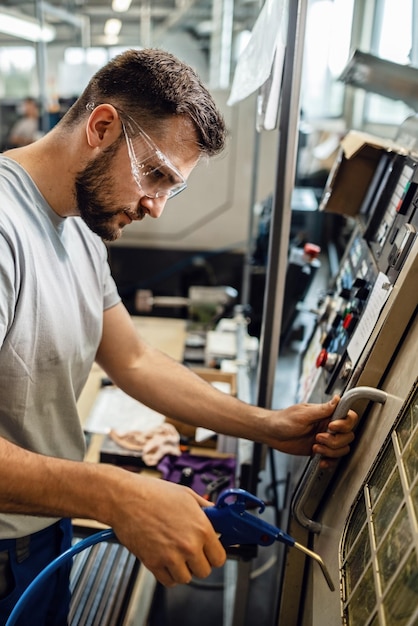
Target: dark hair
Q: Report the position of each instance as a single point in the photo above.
(153, 85)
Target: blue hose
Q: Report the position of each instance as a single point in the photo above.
(55, 564)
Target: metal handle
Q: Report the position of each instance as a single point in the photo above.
(316, 479)
(357, 393)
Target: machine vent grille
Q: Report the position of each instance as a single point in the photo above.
(379, 550)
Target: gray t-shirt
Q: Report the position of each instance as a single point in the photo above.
(55, 283)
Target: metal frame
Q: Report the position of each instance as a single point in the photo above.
(288, 124)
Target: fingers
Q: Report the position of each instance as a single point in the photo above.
(333, 441)
(333, 402)
(164, 576)
(345, 425)
(336, 442)
(192, 550)
(176, 539)
(328, 408)
(317, 413)
(179, 570)
(332, 452)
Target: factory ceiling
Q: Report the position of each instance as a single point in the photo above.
(146, 23)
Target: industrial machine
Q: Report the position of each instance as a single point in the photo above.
(361, 515)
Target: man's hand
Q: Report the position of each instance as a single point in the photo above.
(303, 429)
(167, 530)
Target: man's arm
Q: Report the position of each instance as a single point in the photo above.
(147, 514)
(174, 390)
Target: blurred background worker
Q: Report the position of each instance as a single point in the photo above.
(26, 129)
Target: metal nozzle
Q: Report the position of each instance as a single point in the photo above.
(320, 562)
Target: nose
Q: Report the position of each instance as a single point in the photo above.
(153, 206)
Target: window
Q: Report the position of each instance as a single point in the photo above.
(393, 40)
(327, 48)
(17, 72)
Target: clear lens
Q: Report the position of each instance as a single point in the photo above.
(151, 169)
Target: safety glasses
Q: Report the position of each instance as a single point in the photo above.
(153, 172)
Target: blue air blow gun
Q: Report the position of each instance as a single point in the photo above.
(238, 527)
(234, 524)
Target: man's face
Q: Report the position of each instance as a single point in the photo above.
(95, 193)
(108, 197)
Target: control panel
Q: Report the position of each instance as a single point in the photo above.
(398, 226)
(341, 311)
(386, 229)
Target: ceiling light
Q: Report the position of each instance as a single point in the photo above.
(120, 6)
(112, 27)
(23, 27)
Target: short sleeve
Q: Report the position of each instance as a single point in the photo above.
(8, 286)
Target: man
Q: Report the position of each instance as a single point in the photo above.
(26, 129)
(126, 146)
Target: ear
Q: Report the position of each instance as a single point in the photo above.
(103, 126)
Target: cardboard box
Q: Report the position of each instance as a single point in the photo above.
(226, 381)
(353, 170)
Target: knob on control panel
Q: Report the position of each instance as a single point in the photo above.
(350, 320)
(326, 359)
(346, 370)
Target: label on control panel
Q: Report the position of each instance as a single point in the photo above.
(364, 329)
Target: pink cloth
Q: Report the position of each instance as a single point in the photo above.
(153, 444)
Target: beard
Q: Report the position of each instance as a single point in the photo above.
(93, 187)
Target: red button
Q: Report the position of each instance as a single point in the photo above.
(347, 321)
(321, 359)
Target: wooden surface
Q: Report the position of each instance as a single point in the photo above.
(166, 334)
